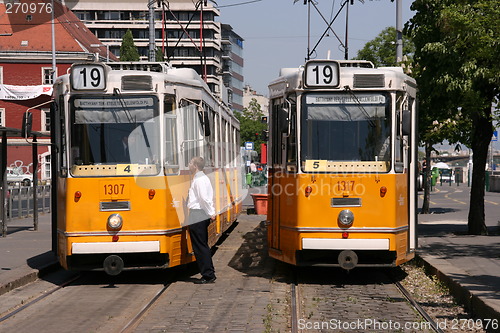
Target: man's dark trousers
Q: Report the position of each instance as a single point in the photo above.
(198, 230)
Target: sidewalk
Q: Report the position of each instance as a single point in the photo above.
(469, 265)
(25, 254)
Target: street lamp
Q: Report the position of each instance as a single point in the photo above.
(107, 49)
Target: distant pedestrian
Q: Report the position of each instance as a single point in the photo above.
(201, 213)
(253, 167)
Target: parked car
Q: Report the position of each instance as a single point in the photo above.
(15, 176)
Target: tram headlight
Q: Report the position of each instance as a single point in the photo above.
(115, 221)
(346, 217)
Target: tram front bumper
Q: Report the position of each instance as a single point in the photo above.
(342, 244)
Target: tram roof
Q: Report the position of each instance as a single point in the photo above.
(290, 79)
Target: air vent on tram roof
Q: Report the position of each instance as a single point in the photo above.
(137, 82)
(369, 80)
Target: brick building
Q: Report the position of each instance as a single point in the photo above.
(26, 67)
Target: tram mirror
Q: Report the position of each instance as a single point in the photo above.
(27, 124)
(283, 120)
(206, 124)
(406, 122)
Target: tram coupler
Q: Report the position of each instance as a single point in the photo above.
(348, 259)
(113, 265)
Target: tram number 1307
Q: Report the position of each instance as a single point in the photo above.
(88, 77)
(322, 73)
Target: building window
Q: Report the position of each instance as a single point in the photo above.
(1, 75)
(47, 75)
(45, 120)
(2, 117)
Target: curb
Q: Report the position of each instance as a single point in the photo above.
(25, 274)
(477, 307)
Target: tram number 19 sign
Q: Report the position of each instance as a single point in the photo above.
(88, 77)
(322, 73)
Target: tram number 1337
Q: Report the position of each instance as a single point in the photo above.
(88, 77)
(322, 74)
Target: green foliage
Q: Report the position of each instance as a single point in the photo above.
(456, 62)
(382, 50)
(457, 47)
(128, 50)
(251, 126)
(159, 55)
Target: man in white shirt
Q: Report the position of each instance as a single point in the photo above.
(201, 213)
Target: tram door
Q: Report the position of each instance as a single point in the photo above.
(275, 178)
(282, 159)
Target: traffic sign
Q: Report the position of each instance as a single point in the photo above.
(495, 136)
(248, 145)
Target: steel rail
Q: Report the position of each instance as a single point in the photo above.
(39, 298)
(417, 307)
(132, 324)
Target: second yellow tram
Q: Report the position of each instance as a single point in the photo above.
(342, 165)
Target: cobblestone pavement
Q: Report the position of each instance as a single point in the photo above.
(250, 294)
(364, 300)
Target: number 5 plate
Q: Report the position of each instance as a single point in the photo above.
(88, 77)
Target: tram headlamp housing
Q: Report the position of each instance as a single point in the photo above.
(115, 221)
(346, 217)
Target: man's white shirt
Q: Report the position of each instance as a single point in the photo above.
(201, 194)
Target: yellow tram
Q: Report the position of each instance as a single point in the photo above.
(124, 134)
(342, 165)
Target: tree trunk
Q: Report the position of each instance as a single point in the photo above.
(482, 133)
(427, 180)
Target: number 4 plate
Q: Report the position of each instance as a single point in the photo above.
(88, 77)
(322, 73)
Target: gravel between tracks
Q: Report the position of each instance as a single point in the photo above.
(436, 300)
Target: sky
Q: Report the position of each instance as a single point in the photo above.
(275, 31)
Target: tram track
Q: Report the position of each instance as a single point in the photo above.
(105, 303)
(39, 298)
(417, 307)
(377, 297)
(135, 321)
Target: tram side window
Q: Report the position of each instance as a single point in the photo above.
(217, 141)
(277, 105)
(192, 128)
(171, 146)
(61, 111)
(398, 142)
(209, 140)
(223, 143)
(291, 142)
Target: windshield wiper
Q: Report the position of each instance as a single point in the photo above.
(370, 121)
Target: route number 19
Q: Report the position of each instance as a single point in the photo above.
(88, 77)
(322, 73)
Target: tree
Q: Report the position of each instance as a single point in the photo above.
(251, 126)
(382, 50)
(159, 55)
(128, 50)
(456, 57)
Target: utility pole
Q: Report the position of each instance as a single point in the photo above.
(399, 31)
(53, 31)
(346, 44)
(152, 43)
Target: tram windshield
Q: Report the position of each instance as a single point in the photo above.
(346, 132)
(117, 135)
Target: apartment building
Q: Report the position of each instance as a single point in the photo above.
(232, 65)
(185, 30)
(26, 74)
